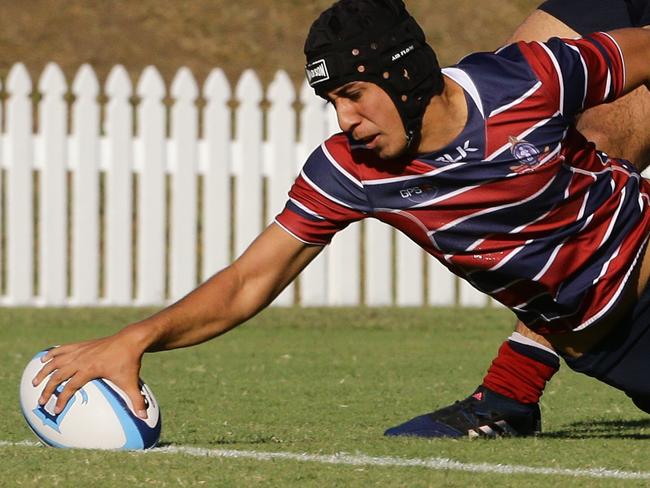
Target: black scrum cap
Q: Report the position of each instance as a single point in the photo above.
(376, 41)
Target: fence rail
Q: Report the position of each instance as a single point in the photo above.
(135, 201)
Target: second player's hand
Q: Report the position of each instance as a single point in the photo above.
(116, 358)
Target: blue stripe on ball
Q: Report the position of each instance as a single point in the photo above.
(138, 434)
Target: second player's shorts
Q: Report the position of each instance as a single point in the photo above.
(622, 359)
(585, 16)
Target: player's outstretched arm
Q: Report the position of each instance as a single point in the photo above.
(227, 299)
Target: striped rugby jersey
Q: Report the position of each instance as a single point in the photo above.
(520, 204)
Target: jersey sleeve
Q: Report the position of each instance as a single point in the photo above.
(325, 198)
(578, 73)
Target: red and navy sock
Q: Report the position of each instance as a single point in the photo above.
(521, 369)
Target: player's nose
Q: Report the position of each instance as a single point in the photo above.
(347, 116)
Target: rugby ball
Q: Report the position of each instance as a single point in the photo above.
(98, 416)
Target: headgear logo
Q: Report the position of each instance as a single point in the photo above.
(317, 72)
(402, 53)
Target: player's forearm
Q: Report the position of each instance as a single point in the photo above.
(227, 299)
(218, 305)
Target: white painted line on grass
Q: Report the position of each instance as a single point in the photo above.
(437, 464)
(20, 444)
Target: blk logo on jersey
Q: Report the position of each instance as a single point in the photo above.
(462, 152)
(317, 72)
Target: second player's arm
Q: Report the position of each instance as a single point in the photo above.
(635, 45)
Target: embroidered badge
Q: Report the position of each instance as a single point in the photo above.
(527, 154)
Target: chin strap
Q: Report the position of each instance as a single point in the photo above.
(413, 136)
(410, 137)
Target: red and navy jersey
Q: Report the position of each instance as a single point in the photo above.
(520, 204)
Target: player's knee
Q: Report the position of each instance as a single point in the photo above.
(539, 26)
(604, 141)
(634, 147)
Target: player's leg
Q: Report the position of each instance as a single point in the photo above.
(602, 125)
(629, 141)
(506, 403)
(520, 372)
(622, 359)
(621, 129)
(507, 400)
(524, 364)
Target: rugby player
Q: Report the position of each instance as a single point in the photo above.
(526, 361)
(514, 199)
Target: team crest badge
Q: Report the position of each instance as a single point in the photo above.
(527, 154)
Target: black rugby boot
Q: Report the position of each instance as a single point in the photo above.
(485, 413)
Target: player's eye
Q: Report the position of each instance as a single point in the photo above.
(355, 95)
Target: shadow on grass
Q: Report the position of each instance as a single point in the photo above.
(602, 429)
(227, 441)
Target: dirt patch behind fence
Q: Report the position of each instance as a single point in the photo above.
(265, 35)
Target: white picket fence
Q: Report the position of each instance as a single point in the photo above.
(127, 203)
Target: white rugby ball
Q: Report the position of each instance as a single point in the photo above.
(98, 416)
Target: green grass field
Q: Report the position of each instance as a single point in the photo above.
(320, 382)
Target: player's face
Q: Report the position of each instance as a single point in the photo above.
(366, 112)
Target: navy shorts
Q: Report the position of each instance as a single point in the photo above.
(585, 16)
(622, 359)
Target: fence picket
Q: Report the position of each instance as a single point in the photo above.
(184, 159)
(3, 230)
(151, 206)
(53, 184)
(248, 162)
(281, 166)
(470, 296)
(118, 203)
(442, 284)
(378, 259)
(410, 275)
(84, 162)
(20, 212)
(216, 180)
(345, 267)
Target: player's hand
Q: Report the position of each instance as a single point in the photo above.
(115, 358)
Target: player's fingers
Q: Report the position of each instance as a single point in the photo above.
(69, 390)
(58, 377)
(53, 352)
(44, 372)
(137, 400)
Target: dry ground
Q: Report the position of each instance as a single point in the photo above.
(202, 34)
